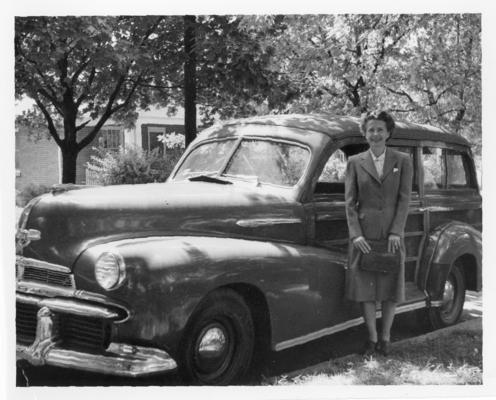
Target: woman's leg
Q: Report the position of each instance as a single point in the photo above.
(388, 310)
(368, 311)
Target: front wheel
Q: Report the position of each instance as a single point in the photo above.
(218, 345)
(452, 302)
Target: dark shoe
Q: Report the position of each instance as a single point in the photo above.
(383, 347)
(368, 348)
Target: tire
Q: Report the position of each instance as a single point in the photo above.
(453, 298)
(218, 345)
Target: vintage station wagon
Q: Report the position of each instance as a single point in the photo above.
(243, 250)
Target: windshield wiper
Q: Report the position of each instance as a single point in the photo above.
(210, 179)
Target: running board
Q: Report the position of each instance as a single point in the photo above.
(345, 325)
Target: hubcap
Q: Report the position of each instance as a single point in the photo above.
(448, 296)
(213, 348)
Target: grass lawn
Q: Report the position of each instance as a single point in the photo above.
(448, 359)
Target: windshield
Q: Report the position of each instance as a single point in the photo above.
(267, 161)
(262, 161)
(206, 159)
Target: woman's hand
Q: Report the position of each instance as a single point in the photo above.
(361, 244)
(394, 242)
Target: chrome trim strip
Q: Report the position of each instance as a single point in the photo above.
(78, 308)
(441, 208)
(69, 306)
(44, 289)
(32, 262)
(408, 307)
(330, 217)
(100, 298)
(26, 289)
(258, 222)
(21, 298)
(343, 326)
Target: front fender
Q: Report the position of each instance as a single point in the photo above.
(168, 276)
(447, 243)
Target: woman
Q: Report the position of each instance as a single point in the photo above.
(377, 193)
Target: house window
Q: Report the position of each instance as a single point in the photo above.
(111, 139)
(153, 134)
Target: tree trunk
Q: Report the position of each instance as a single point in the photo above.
(69, 158)
(189, 79)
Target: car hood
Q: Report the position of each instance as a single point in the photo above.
(70, 222)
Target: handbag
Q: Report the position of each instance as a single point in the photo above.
(379, 259)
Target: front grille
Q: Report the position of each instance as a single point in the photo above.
(74, 332)
(26, 323)
(43, 275)
(84, 332)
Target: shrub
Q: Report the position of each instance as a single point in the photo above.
(131, 166)
(30, 192)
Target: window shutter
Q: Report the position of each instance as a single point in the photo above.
(144, 137)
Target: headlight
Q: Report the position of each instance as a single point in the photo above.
(110, 270)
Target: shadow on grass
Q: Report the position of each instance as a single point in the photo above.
(453, 359)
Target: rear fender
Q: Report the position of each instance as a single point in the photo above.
(447, 243)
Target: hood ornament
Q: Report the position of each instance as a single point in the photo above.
(26, 236)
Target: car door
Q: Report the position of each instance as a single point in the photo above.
(331, 229)
(330, 232)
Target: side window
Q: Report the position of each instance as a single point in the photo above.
(457, 170)
(335, 168)
(445, 169)
(434, 168)
(331, 180)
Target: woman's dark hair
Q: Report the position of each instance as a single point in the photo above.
(377, 115)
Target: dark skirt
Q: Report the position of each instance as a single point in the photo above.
(374, 286)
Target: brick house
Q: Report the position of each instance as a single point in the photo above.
(39, 161)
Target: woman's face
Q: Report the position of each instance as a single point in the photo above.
(376, 134)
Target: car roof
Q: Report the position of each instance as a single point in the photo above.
(338, 127)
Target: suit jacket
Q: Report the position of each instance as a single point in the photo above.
(377, 207)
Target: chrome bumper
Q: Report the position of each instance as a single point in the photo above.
(119, 358)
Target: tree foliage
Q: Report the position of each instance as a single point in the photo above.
(424, 68)
(235, 71)
(131, 166)
(82, 70)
